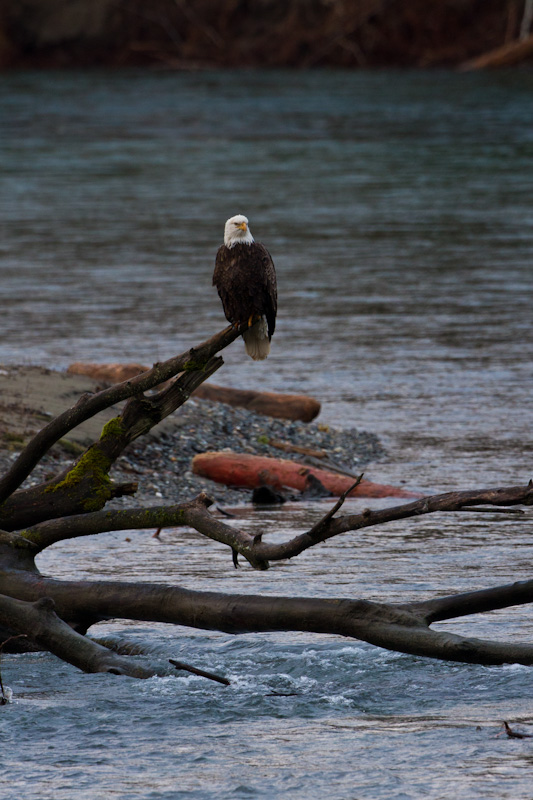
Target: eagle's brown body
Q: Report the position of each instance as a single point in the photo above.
(246, 282)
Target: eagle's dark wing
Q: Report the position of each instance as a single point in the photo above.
(223, 280)
(246, 282)
(269, 287)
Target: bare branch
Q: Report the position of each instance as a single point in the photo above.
(85, 486)
(254, 549)
(450, 501)
(51, 531)
(52, 614)
(460, 605)
(39, 622)
(141, 414)
(193, 514)
(258, 553)
(316, 531)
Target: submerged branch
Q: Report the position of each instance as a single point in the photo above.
(43, 627)
(201, 672)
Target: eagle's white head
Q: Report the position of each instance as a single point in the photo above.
(236, 231)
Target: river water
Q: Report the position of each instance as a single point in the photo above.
(397, 207)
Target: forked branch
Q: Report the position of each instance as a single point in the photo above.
(88, 405)
(259, 552)
(86, 486)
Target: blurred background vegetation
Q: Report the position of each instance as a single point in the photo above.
(192, 34)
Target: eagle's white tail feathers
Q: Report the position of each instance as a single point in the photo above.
(256, 341)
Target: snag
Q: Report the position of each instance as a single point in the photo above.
(201, 672)
(512, 734)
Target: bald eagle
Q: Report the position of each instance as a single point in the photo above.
(246, 281)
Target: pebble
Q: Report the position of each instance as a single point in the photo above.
(161, 463)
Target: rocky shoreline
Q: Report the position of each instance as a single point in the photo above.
(164, 462)
(161, 462)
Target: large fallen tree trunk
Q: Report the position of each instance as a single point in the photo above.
(56, 615)
(404, 628)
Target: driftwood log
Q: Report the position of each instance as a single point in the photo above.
(56, 614)
(271, 404)
(251, 471)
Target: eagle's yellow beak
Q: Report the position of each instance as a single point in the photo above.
(243, 226)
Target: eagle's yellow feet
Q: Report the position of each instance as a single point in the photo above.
(253, 318)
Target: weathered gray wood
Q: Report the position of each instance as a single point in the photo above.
(55, 615)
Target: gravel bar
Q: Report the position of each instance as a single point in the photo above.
(161, 462)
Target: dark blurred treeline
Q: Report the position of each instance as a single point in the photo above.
(266, 33)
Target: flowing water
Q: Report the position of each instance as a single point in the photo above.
(397, 207)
